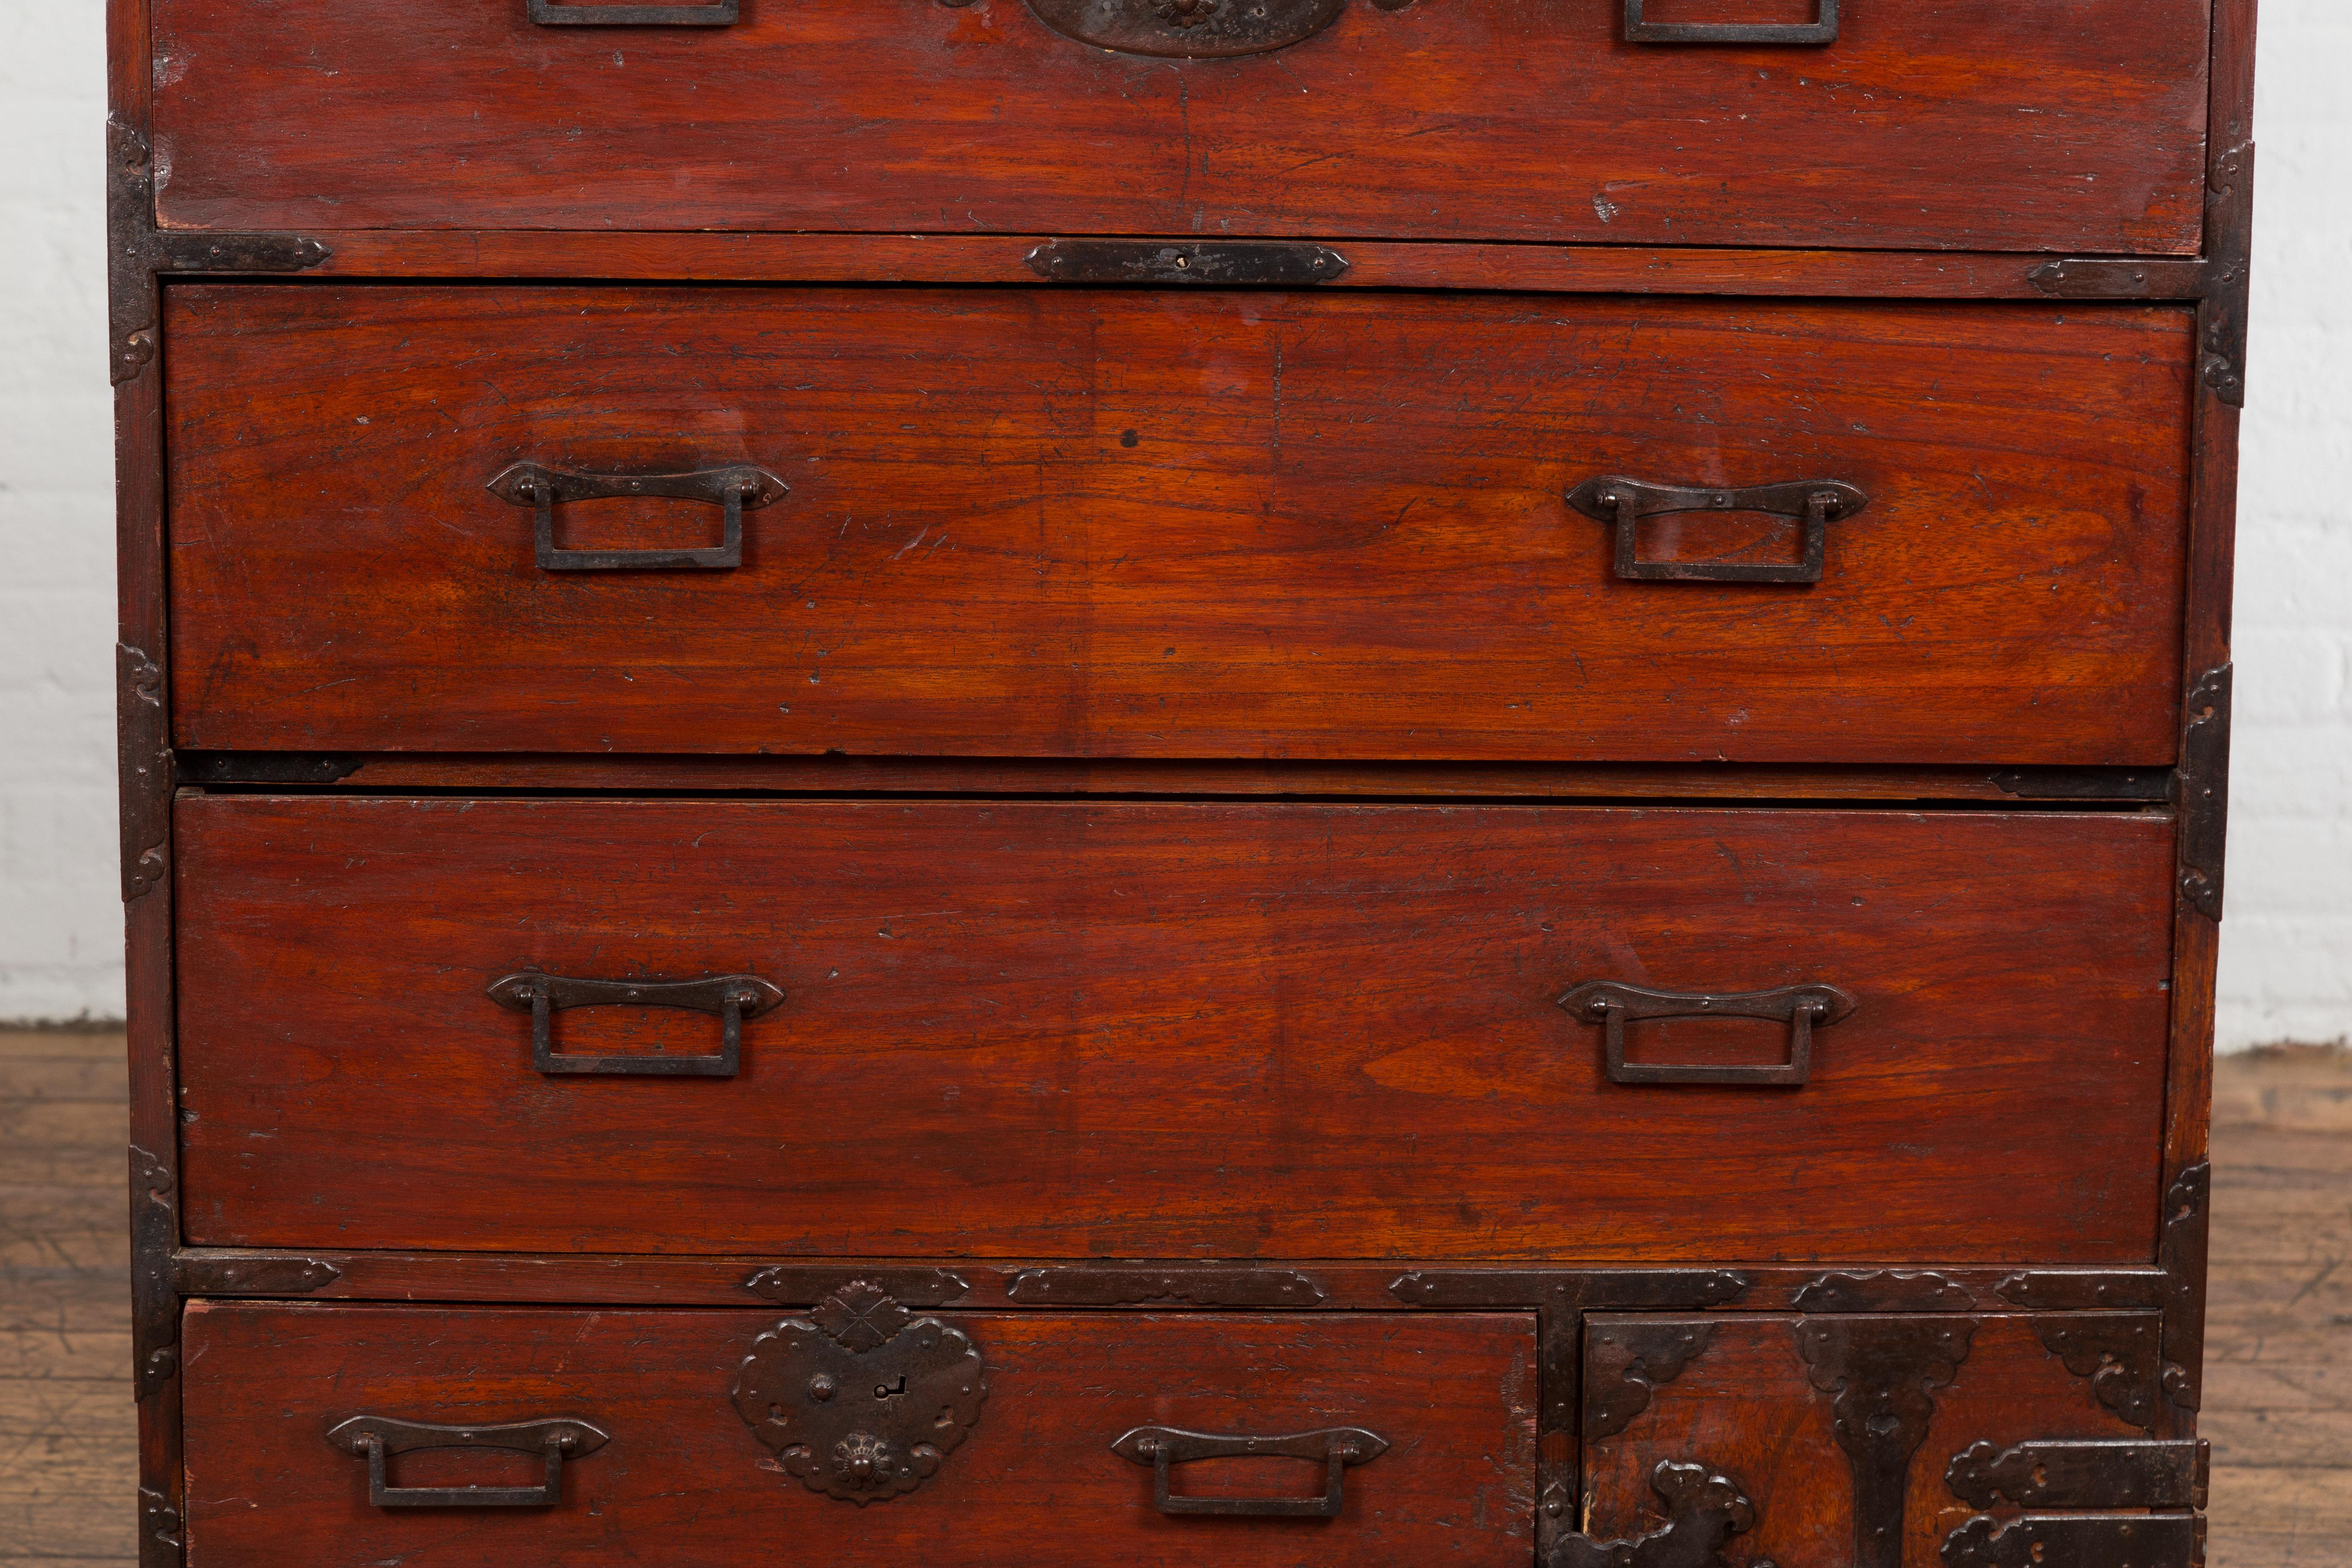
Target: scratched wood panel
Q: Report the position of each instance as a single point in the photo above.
(1968, 124)
(1055, 1029)
(1033, 1485)
(1747, 1405)
(1116, 524)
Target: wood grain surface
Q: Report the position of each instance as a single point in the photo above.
(2279, 1350)
(1967, 125)
(1123, 525)
(1061, 1030)
(1034, 1483)
(1747, 1406)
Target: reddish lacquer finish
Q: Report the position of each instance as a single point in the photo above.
(1963, 124)
(1143, 525)
(1175, 1030)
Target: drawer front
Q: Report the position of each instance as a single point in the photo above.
(1028, 1478)
(1890, 1440)
(1128, 525)
(1978, 125)
(1058, 1029)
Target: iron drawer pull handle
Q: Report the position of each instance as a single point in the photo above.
(376, 1437)
(1803, 1008)
(738, 488)
(1822, 31)
(1337, 1446)
(722, 14)
(734, 997)
(1625, 502)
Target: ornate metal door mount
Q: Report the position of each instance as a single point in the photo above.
(1882, 1372)
(377, 1437)
(1803, 1008)
(2093, 1473)
(1703, 1509)
(1337, 1447)
(1187, 29)
(863, 1400)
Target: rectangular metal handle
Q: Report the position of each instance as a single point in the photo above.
(738, 488)
(1803, 1008)
(1614, 499)
(733, 997)
(1823, 29)
(377, 1437)
(1337, 1446)
(719, 14)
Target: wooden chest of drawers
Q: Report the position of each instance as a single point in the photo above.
(1283, 782)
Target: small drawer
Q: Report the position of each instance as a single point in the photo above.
(1981, 126)
(1125, 525)
(866, 1435)
(1050, 1030)
(1928, 1439)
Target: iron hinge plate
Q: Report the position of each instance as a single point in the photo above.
(2201, 793)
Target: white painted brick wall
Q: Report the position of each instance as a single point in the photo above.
(2286, 965)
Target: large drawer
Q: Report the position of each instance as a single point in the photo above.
(1976, 124)
(1126, 524)
(1025, 1476)
(1169, 1030)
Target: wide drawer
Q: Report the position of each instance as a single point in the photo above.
(1126, 524)
(1169, 1030)
(1928, 1439)
(672, 1470)
(1981, 124)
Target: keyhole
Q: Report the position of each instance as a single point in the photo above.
(884, 1390)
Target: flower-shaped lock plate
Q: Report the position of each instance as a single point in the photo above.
(863, 1400)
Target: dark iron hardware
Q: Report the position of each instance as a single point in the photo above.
(1887, 1291)
(1187, 30)
(2182, 1251)
(733, 997)
(862, 1400)
(1185, 1285)
(1803, 1007)
(1163, 1448)
(2077, 1540)
(1629, 1359)
(1882, 1373)
(2081, 1474)
(268, 767)
(1823, 29)
(2085, 784)
(1705, 1507)
(377, 1437)
(1613, 499)
(738, 488)
(2229, 250)
(1238, 263)
(2098, 278)
(251, 1274)
(550, 14)
(2083, 1289)
(2120, 1353)
(2202, 791)
(801, 1284)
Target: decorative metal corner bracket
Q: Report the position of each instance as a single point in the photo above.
(139, 252)
(2120, 1353)
(2181, 1251)
(2229, 252)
